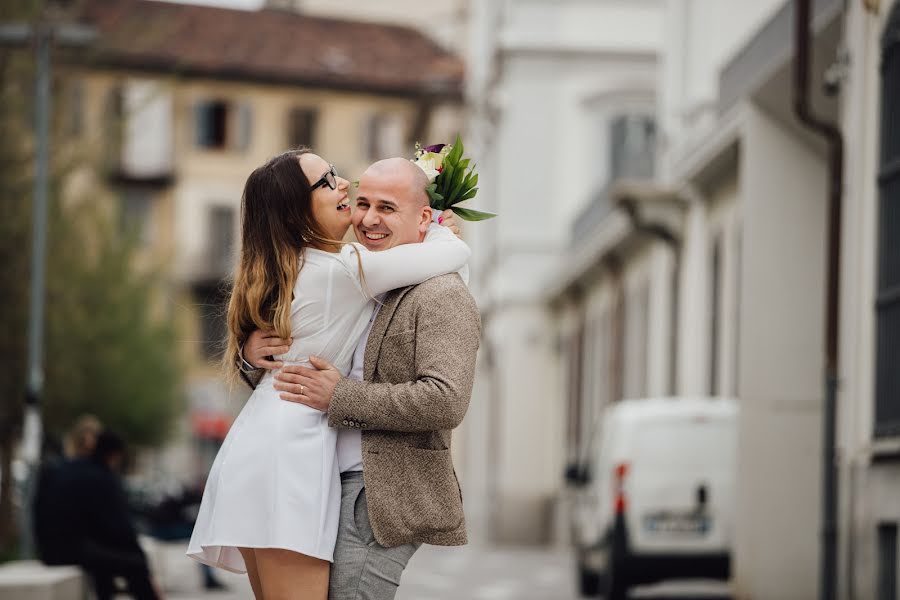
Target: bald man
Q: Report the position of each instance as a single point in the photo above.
(408, 388)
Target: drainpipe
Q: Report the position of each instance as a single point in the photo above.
(832, 135)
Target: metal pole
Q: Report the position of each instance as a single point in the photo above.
(828, 565)
(32, 434)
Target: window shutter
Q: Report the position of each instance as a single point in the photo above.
(887, 305)
(244, 127)
(302, 127)
(202, 124)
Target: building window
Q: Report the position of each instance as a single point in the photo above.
(636, 351)
(221, 239)
(114, 127)
(302, 127)
(887, 562)
(212, 124)
(137, 215)
(632, 146)
(386, 136)
(75, 109)
(221, 125)
(601, 361)
(736, 313)
(715, 313)
(887, 375)
(576, 388)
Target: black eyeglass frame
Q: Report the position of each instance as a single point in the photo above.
(324, 180)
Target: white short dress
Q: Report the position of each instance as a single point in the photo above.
(275, 481)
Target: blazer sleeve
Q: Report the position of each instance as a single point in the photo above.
(448, 332)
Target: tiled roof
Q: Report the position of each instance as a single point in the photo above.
(270, 45)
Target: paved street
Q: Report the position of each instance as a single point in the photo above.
(487, 574)
(467, 573)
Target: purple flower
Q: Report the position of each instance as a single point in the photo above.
(434, 148)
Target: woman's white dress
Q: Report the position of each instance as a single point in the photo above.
(275, 481)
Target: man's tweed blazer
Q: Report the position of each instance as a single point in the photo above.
(419, 366)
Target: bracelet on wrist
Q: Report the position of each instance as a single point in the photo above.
(242, 363)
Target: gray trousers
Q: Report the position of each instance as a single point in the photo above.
(363, 569)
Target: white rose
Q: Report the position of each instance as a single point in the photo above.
(427, 165)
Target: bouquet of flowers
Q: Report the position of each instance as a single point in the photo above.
(451, 179)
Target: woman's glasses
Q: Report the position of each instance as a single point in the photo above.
(329, 179)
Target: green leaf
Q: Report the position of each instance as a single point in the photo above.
(447, 175)
(435, 200)
(456, 152)
(457, 181)
(467, 214)
(469, 194)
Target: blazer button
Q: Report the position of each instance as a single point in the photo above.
(345, 422)
(365, 424)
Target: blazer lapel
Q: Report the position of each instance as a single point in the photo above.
(379, 328)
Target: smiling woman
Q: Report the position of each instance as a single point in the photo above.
(272, 499)
(330, 204)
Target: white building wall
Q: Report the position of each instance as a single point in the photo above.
(868, 491)
(542, 74)
(780, 379)
(701, 35)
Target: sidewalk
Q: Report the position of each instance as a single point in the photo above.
(181, 579)
(467, 572)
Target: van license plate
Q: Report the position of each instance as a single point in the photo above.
(673, 523)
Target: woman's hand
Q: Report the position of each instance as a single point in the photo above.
(261, 346)
(448, 220)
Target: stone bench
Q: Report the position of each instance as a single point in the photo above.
(31, 580)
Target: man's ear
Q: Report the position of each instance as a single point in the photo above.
(425, 219)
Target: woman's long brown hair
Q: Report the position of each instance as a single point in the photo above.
(277, 223)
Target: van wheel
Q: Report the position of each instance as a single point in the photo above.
(615, 587)
(588, 578)
(588, 582)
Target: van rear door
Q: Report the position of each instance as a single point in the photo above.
(681, 483)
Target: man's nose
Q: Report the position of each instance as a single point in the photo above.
(342, 183)
(371, 218)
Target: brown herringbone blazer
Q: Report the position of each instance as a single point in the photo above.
(419, 366)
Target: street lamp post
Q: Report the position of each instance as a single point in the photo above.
(43, 36)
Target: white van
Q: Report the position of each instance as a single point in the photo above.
(656, 499)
